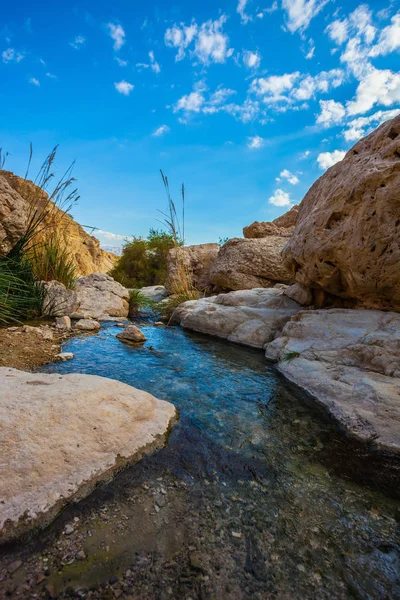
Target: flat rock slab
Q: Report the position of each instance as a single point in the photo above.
(61, 435)
(349, 362)
(248, 317)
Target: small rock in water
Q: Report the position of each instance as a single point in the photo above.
(63, 356)
(132, 334)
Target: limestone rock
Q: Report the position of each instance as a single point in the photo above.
(299, 294)
(283, 226)
(16, 198)
(248, 317)
(347, 239)
(349, 362)
(62, 435)
(132, 334)
(63, 356)
(99, 295)
(87, 325)
(59, 300)
(250, 263)
(63, 322)
(154, 292)
(13, 217)
(199, 260)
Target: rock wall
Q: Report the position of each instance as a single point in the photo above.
(16, 197)
(283, 225)
(199, 260)
(346, 243)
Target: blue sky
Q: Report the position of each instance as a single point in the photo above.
(246, 102)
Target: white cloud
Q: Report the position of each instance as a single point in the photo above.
(301, 12)
(153, 63)
(311, 50)
(251, 59)
(117, 34)
(190, 103)
(78, 42)
(293, 87)
(328, 159)
(180, 37)
(268, 11)
(110, 236)
(305, 154)
(161, 131)
(338, 31)
(11, 55)
(280, 198)
(290, 177)
(121, 62)
(51, 76)
(389, 38)
(34, 81)
(123, 87)
(211, 45)
(377, 87)
(357, 128)
(241, 10)
(255, 143)
(331, 113)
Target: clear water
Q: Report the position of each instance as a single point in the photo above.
(261, 496)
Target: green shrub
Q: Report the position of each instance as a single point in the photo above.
(144, 261)
(138, 301)
(21, 295)
(168, 306)
(290, 356)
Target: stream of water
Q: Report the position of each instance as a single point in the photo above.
(256, 495)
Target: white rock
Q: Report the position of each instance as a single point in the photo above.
(87, 325)
(349, 362)
(63, 356)
(154, 292)
(62, 435)
(98, 294)
(249, 317)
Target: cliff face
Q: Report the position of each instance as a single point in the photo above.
(16, 195)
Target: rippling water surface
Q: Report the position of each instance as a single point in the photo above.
(254, 496)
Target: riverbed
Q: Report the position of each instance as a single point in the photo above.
(256, 495)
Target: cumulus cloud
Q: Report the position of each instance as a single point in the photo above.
(377, 87)
(338, 31)
(389, 38)
(121, 62)
(299, 13)
(190, 103)
(78, 42)
(328, 159)
(210, 43)
(251, 59)
(280, 198)
(255, 143)
(123, 87)
(117, 33)
(241, 10)
(34, 81)
(110, 236)
(162, 130)
(357, 128)
(331, 113)
(153, 64)
(11, 55)
(289, 176)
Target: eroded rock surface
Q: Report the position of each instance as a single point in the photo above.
(13, 216)
(198, 259)
(62, 435)
(283, 225)
(349, 361)
(249, 317)
(132, 334)
(347, 239)
(99, 295)
(250, 263)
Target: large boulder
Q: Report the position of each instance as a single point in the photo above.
(250, 263)
(62, 435)
(349, 362)
(13, 217)
(59, 300)
(99, 295)
(248, 317)
(197, 260)
(156, 293)
(346, 243)
(283, 226)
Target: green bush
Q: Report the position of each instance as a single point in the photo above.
(21, 295)
(138, 301)
(144, 261)
(52, 262)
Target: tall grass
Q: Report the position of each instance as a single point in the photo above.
(21, 291)
(138, 301)
(51, 261)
